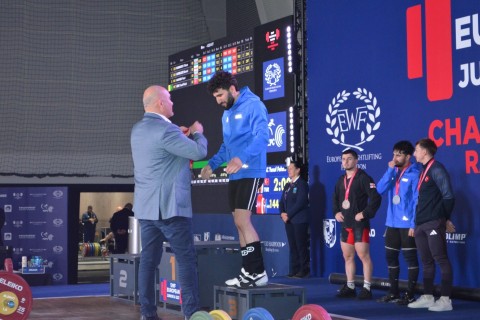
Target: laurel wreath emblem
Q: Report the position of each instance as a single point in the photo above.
(371, 126)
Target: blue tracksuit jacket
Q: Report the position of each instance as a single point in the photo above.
(401, 215)
(245, 135)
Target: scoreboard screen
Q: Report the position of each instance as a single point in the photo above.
(260, 59)
(197, 65)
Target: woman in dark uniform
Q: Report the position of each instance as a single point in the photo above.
(295, 212)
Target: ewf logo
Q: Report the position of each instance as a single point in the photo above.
(347, 124)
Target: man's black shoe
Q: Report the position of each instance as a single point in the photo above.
(389, 298)
(365, 294)
(346, 292)
(406, 298)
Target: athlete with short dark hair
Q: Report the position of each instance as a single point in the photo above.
(432, 222)
(355, 202)
(400, 183)
(244, 149)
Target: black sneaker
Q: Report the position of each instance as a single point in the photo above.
(389, 298)
(365, 294)
(405, 299)
(346, 292)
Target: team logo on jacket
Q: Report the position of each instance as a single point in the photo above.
(329, 232)
(353, 123)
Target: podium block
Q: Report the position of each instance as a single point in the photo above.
(124, 276)
(280, 300)
(217, 262)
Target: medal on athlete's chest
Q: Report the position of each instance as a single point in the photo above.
(396, 199)
(346, 202)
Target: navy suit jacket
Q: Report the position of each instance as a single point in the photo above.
(161, 159)
(295, 201)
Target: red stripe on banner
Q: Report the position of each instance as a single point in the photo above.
(414, 42)
(438, 33)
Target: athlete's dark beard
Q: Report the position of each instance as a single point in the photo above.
(230, 101)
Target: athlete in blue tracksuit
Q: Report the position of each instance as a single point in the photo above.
(244, 149)
(245, 135)
(400, 183)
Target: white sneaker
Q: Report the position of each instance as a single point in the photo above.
(247, 280)
(425, 301)
(255, 280)
(442, 304)
(235, 282)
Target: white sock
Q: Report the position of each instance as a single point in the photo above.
(351, 284)
(366, 285)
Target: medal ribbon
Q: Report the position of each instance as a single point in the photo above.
(424, 173)
(397, 183)
(347, 189)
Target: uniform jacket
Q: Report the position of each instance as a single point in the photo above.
(120, 221)
(435, 197)
(401, 215)
(245, 135)
(363, 197)
(161, 159)
(294, 201)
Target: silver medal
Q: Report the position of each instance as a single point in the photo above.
(346, 204)
(396, 199)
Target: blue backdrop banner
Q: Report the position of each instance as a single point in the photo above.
(383, 71)
(36, 225)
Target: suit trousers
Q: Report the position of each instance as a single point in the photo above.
(178, 232)
(297, 235)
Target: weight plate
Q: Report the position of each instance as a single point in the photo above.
(8, 302)
(311, 311)
(201, 315)
(220, 315)
(85, 250)
(257, 314)
(15, 297)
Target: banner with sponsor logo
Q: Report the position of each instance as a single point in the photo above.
(383, 71)
(36, 225)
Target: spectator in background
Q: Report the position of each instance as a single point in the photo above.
(119, 226)
(89, 221)
(295, 212)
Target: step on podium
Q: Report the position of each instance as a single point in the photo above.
(282, 301)
(124, 276)
(217, 261)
